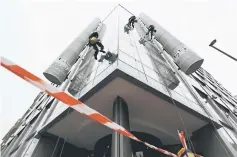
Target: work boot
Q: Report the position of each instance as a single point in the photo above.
(102, 50)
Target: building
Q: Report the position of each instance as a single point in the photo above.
(149, 89)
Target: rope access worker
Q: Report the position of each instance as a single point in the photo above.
(94, 41)
(151, 29)
(131, 21)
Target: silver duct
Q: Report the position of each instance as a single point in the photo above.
(167, 74)
(57, 72)
(80, 79)
(185, 58)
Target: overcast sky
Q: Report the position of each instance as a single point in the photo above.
(34, 32)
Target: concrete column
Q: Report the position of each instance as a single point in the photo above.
(121, 145)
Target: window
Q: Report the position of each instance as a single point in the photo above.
(199, 81)
(230, 136)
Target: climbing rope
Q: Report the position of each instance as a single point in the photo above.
(183, 121)
(109, 13)
(166, 86)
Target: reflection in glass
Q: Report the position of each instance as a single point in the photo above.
(232, 139)
(127, 59)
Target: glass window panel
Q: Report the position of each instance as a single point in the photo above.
(229, 136)
(126, 41)
(127, 59)
(139, 66)
(197, 108)
(92, 75)
(157, 85)
(102, 67)
(142, 76)
(179, 98)
(129, 69)
(145, 58)
(127, 47)
(178, 90)
(111, 68)
(102, 75)
(150, 72)
(111, 32)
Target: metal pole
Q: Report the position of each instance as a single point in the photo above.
(212, 45)
(224, 53)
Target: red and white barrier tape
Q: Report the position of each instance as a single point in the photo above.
(182, 139)
(183, 142)
(72, 102)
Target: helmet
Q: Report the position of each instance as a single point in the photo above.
(93, 40)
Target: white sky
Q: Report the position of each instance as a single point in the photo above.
(34, 32)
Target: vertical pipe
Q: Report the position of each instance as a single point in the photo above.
(121, 145)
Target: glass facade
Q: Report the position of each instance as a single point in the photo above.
(133, 59)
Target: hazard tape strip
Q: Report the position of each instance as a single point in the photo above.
(72, 102)
(182, 139)
(184, 144)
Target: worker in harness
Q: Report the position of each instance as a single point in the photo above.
(131, 21)
(94, 41)
(151, 29)
(130, 25)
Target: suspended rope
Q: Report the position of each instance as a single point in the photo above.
(126, 9)
(204, 110)
(169, 92)
(166, 86)
(212, 124)
(109, 13)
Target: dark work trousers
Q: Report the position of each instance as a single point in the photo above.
(131, 23)
(96, 48)
(150, 31)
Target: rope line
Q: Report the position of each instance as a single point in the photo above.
(166, 86)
